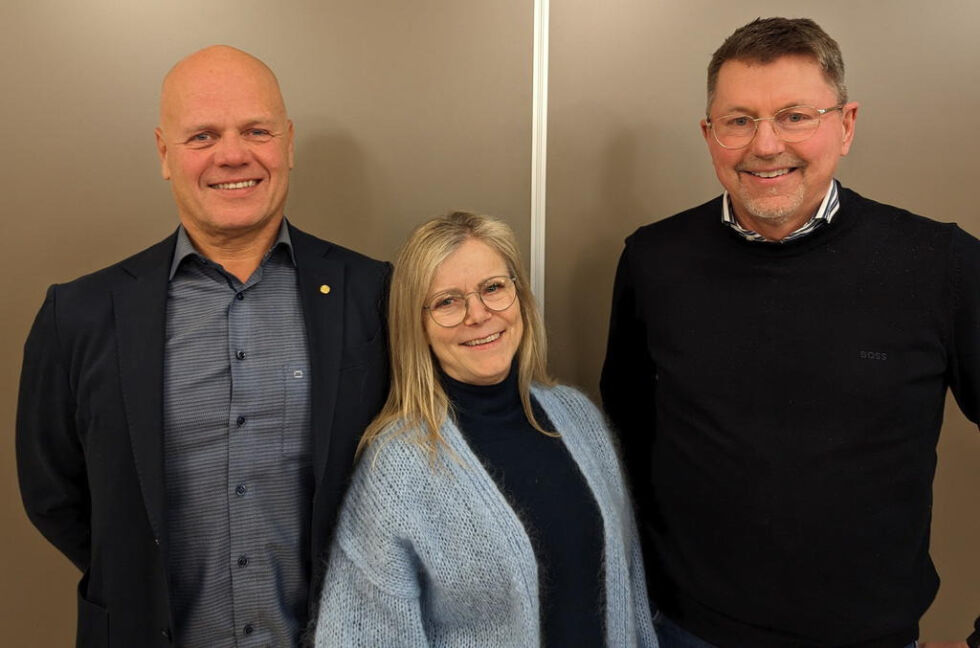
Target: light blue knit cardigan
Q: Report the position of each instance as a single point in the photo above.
(431, 554)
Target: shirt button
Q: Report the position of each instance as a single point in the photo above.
(248, 629)
(243, 561)
(240, 296)
(165, 633)
(240, 355)
(240, 420)
(240, 490)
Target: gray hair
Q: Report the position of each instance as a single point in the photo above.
(766, 39)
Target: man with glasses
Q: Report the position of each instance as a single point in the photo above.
(777, 365)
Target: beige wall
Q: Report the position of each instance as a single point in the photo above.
(402, 110)
(627, 92)
(407, 109)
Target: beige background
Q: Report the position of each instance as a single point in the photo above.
(408, 109)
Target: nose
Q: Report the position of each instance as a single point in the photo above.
(231, 151)
(767, 142)
(476, 312)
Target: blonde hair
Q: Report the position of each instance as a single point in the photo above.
(417, 400)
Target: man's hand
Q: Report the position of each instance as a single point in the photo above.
(943, 644)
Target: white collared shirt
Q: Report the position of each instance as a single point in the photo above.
(824, 214)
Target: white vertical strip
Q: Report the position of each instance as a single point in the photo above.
(539, 148)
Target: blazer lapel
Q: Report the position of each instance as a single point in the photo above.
(139, 306)
(321, 286)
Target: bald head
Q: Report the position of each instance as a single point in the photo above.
(226, 146)
(211, 70)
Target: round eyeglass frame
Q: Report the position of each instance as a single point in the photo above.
(775, 129)
(466, 301)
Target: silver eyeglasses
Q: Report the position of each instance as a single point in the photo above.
(793, 124)
(448, 309)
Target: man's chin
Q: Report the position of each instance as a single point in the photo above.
(774, 216)
(232, 223)
(773, 209)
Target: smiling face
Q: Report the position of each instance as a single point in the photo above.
(481, 349)
(777, 186)
(225, 144)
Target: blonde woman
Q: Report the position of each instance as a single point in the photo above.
(488, 508)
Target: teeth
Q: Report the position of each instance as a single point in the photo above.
(489, 338)
(770, 174)
(236, 185)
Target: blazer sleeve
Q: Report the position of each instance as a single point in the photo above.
(50, 457)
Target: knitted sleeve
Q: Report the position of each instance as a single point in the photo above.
(371, 589)
(646, 637)
(628, 380)
(356, 612)
(965, 379)
(964, 370)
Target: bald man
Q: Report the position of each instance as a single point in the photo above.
(188, 417)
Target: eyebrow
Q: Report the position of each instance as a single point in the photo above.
(443, 291)
(749, 111)
(206, 126)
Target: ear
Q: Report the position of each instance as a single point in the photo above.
(848, 122)
(289, 135)
(162, 153)
(705, 131)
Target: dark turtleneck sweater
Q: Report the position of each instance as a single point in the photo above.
(544, 486)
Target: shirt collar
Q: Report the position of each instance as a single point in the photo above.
(185, 248)
(825, 214)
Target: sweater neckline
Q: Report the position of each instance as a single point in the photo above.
(842, 222)
(497, 401)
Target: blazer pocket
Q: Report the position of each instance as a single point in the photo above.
(93, 621)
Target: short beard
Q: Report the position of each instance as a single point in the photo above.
(760, 207)
(778, 214)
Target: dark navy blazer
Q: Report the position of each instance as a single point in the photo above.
(90, 422)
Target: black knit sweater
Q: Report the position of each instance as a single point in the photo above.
(544, 486)
(779, 406)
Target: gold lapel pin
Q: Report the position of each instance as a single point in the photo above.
(325, 289)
